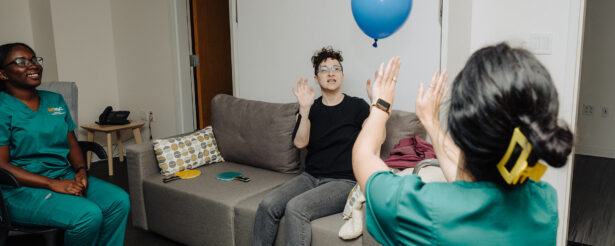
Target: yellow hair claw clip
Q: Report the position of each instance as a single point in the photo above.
(520, 171)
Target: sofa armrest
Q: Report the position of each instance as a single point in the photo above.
(141, 162)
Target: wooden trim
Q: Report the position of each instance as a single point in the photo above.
(199, 95)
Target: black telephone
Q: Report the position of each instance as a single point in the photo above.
(110, 117)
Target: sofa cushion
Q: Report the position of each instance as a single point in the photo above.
(244, 218)
(190, 151)
(255, 133)
(200, 210)
(324, 230)
(400, 125)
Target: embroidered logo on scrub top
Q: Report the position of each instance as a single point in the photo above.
(57, 111)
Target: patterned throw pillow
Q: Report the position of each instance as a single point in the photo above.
(187, 152)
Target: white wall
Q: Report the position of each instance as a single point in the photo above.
(74, 39)
(456, 38)
(595, 133)
(456, 35)
(275, 39)
(127, 54)
(16, 25)
(144, 54)
(30, 22)
(514, 21)
(44, 41)
(85, 53)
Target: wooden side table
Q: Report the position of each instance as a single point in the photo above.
(109, 130)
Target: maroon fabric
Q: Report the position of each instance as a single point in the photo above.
(409, 152)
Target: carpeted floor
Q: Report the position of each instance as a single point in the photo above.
(592, 206)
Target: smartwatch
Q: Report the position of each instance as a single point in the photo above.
(383, 105)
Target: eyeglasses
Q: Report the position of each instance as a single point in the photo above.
(23, 62)
(334, 69)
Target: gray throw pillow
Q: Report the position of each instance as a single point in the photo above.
(255, 133)
(401, 124)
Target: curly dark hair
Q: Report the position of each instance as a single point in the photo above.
(501, 88)
(323, 54)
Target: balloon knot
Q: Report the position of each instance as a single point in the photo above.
(375, 43)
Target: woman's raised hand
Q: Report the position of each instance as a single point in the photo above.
(304, 94)
(384, 82)
(427, 105)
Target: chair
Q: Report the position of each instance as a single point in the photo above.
(69, 92)
(6, 178)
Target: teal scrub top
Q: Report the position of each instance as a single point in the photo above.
(407, 211)
(38, 139)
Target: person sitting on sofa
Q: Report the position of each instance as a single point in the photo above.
(327, 127)
(38, 146)
(503, 118)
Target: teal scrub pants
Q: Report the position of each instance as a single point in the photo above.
(98, 218)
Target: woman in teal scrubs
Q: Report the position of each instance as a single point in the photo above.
(503, 125)
(39, 147)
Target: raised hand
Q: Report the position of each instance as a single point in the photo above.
(366, 150)
(304, 94)
(427, 105)
(385, 81)
(67, 186)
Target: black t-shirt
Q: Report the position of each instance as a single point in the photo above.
(332, 134)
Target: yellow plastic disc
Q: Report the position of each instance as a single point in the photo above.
(188, 174)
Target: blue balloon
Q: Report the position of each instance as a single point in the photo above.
(380, 18)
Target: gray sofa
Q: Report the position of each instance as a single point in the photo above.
(254, 138)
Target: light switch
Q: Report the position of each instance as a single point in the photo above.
(541, 43)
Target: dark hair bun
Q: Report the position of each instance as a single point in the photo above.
(501, 88)
(552, 143)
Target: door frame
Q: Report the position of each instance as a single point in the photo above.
(184, 79)
(181, 42)
(234, 20)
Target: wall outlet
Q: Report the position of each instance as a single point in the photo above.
(605, 112)
(588, 109)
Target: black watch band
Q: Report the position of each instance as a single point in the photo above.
(79, 168)
(383, 105)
